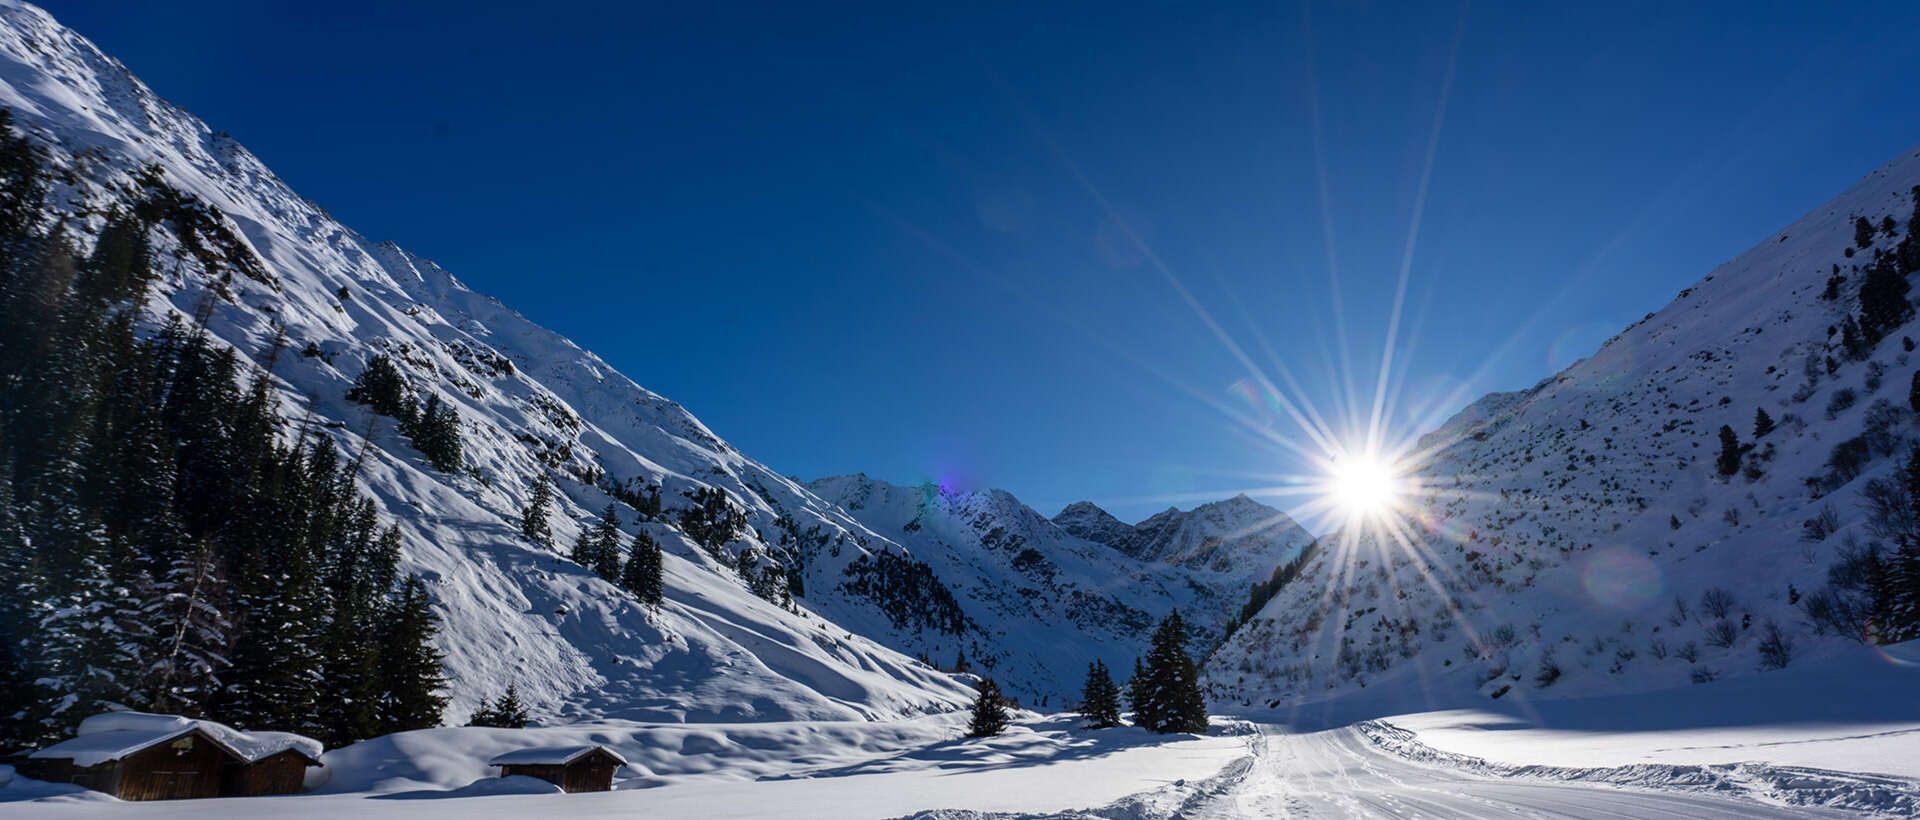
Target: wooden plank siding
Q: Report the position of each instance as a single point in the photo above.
(188, 766)
(282, 773)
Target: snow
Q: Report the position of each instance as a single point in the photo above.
(1556, 527)
(113, 735)
(549, 756)
(1856, 712)
(1384, 680)
(1054, 595)
(853, 769)
(531, 402)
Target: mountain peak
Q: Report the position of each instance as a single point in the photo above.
(1084, 519)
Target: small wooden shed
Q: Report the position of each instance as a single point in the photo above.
(572, 768)
(140, 765)
(138, 756)
(283, 772)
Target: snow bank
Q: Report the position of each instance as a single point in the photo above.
(778, 771)
(1855, 712)
(655, 753)
(1783, 785)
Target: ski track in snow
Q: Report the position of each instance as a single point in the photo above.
(1374, 769)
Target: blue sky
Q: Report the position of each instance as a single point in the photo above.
(950, 244)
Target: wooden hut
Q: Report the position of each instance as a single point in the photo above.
(137, 756)
(140, 765)
(572, 768)
(283, 772)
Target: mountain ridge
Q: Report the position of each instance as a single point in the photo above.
(1056, 600)
(1568, 538)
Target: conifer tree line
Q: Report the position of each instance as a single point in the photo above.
(507, 712)
(1873, 590)
(598, 549)
(1264, 591)
(1164, 690)
(434, 427)
(1884, 285)
(164, 544)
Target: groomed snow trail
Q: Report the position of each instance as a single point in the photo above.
(1343, 773)
(1374, 770)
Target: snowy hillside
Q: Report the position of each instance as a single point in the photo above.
(1051, 596)
(1588, 535)
(289, 288)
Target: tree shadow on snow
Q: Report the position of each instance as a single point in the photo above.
(1043, 743)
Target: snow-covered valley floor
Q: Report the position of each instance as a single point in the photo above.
(1837, 736)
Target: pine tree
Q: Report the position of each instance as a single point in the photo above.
(505, 713)
(436, 433)
(598, 547)
(409, 662)
(1883, 301)
(1897, 584)
(1099, 698)
(1728, 462)
(1762, 423)
(1852, 340)
(1862, 232)
(1137, 689)
(989, 711)
(1913, 392)
(192, 633)
(1170, 696)
(533, 519)
(17, 598)
(382, 387)
(643, 575)
(89, 631)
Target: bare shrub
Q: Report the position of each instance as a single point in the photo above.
(1776, 647)
(1821, 525)
(1717, 602)
(1722, 633)
(1688, 652)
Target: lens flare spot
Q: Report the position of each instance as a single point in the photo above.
(1904, 654)
(1622, 579)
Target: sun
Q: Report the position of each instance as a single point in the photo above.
(1362, 486)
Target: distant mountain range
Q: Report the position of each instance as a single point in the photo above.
(1050, 596)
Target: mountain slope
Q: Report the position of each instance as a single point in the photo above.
(290, 289)
(1583, 535)
(1051, 596)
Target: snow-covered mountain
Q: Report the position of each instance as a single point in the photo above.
(1049, 596)
(291, 289)
(1581, 536)
(1231, 536)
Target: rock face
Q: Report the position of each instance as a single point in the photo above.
(1082, 519)
(1582, 536)
(1050, 596)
